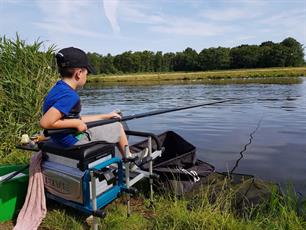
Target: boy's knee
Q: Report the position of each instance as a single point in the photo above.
(120, 125)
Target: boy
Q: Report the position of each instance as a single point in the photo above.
(62, 107)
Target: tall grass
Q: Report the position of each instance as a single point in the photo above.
(277, 212)
(26, 73)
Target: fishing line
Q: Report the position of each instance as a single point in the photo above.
(246, 145)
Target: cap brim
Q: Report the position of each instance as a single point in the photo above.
(91, 69)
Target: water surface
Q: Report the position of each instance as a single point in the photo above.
(274, 113)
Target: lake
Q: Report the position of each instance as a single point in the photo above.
(264, 134)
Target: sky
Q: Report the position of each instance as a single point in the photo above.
(116, 26)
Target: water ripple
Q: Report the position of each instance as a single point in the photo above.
(220, 132)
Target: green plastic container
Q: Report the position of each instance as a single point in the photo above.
(12, 192)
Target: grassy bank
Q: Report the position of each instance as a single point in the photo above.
(277, 212)
(173, 214)
(199, 76)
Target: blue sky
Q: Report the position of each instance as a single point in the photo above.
(115, 26)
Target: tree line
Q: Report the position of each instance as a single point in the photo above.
(287, 53)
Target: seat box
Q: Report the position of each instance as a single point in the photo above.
(78, 156)
(69, 183)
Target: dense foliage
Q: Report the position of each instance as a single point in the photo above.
(287, 53)
(26, 75)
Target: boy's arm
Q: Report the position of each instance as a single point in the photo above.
(52, 120)
(88, 118)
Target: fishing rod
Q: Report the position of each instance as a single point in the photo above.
(92, 124)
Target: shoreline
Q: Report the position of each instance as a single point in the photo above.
(200, 76)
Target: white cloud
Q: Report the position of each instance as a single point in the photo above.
(110, 10)
(187, 27)
(139, 13)
(290, 23)
(66, 16)
(67, 28)
(238, 10)
(288, 18)
(230, 14)
(63, 9)
(168, 24)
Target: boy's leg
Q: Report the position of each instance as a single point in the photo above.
(112, 133)
(122, 141)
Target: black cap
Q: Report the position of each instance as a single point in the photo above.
(74, 58)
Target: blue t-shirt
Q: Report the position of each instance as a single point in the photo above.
(65, 99)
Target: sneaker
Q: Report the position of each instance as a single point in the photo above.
(89, 220)
(140, 155)
(133, 167)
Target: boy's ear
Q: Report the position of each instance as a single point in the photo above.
(76, 75)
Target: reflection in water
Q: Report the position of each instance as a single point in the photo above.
(219, 131)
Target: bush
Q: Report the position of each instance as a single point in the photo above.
(26, 74)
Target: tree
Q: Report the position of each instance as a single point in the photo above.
(179, 62)
(107, 65)
(158, 61)
(265, 50)
(188, 60)
(168, 64)
(244, 56)
(294, 52)
(95, 60)
(138, 59)
(267, 43)
(214, 58)
(191, 60)
(147, 61)
(271, 55)
(289, 52)
(124, 62)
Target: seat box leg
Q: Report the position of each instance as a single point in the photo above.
(94, 200)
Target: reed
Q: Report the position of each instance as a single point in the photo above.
(26, 74)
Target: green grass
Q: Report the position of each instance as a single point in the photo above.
(208, 208)
(277, 212)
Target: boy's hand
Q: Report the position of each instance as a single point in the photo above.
(114, 115)
(81, 126)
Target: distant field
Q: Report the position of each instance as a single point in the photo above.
(207, 75)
